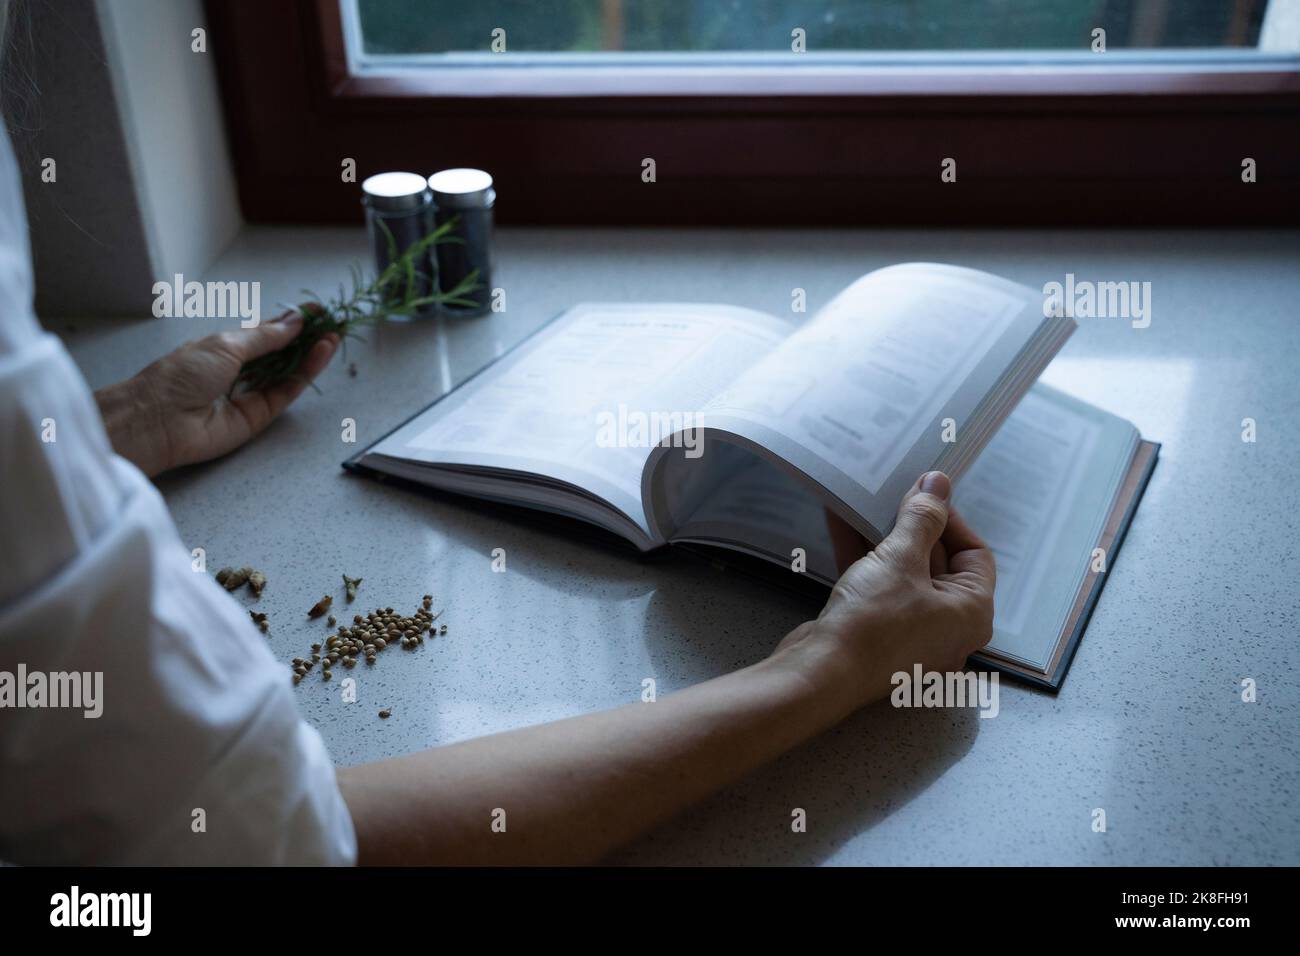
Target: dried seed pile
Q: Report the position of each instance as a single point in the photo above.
(234, 578)
(366, 636)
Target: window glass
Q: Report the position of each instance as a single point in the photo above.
(600, 30)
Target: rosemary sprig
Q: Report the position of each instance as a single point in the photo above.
(395, 291)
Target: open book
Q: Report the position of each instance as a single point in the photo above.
(725, 428)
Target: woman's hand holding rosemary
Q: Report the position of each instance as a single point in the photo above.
(181, 410)
(210, 396)
(395, 291)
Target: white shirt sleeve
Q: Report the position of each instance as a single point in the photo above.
(197, 723)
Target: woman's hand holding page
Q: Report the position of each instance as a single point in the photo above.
(923, 596)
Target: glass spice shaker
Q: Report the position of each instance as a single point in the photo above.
(399, 205)
(467, 196)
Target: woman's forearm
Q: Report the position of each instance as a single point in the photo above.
(571, 791)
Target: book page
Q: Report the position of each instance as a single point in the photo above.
(854, 397)
(1038, 495)
(761, 510)
(585, 400)
(1015, 496)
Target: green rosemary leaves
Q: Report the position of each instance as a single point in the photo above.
(395, 291)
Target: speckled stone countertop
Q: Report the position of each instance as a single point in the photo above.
(1150, 724)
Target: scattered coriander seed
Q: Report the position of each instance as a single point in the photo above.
(224, 575)
(297, 678)
(386, 713)
(256, 581)
(367, 635)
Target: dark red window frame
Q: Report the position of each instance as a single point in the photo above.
(1070, 147)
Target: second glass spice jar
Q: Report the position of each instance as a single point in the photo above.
(466, 196)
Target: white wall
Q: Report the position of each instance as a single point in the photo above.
(172, 122)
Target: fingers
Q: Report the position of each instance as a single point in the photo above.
(970, 561)
(261, 407)
(922, 516)
(315, 361)
(974, 566)
(248, 344)
(279, 396)
(938, 559)
(960, 536)
(975, 569)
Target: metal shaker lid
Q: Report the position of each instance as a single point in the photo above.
(462, 188)
(395, 192)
